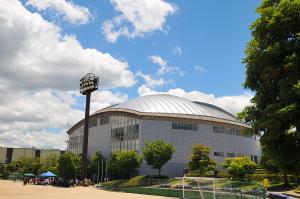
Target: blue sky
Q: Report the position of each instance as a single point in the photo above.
(193, 49)
(211, 34)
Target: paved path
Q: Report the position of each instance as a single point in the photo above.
(16, 190)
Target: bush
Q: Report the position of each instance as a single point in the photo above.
(239, 167)
(200, 162)
(123, 164)
(158, 153)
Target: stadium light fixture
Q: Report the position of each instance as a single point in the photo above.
(88, 84)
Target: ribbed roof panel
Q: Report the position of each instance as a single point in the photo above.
(169, 104)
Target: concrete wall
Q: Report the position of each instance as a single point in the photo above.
(183, 140)
(3, 154)
(19, 153)
(46, 153)
(22, 152)
(99, 140)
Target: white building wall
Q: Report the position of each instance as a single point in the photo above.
(183, 140)
(99, 140)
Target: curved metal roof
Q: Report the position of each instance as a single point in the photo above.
(170, 104)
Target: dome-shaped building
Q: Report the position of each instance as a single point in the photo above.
(176, 120)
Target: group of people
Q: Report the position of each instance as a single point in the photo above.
(57, 181)
(39, 181)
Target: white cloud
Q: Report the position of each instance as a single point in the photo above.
(151, 82)
(199, 69)
(177, 50)
(232, 104)
(163, 67)
(34, 54)
(144, 16)
(26, 118)
(106, 98)
(71, 12)
(40, 70)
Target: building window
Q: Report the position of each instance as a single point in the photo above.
(218, 129)
(254, 158)
(92, 122)
(124, 133)
(221, 154)
(230, 155)
(182, 126)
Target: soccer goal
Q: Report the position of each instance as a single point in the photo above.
(198, 187)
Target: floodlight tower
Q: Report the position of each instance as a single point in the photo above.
(88, 84)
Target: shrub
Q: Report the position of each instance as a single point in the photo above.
(239, 167)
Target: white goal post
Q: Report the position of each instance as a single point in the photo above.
(199, 180)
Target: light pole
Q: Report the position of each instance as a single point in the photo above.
(88, 84)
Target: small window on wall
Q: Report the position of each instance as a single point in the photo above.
(182, 126)
(220, 154)
(230, 155)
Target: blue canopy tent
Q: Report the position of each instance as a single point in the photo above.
(48, 174)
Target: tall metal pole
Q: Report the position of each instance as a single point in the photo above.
(86, 135)
(88, 84)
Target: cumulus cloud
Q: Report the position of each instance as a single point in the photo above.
(199, 69)
(34, 54)
(144, 16)
(40, 70)
(177, 50)
(71, 12)
(27, 117)
(151, 82)
(232, 104)
(163, 66)
(106, 98)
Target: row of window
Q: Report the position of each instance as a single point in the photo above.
(254, 158)
(222, 154)
(182, 126)
(124, 133)
(231, 131)
(124, 145)
(216, 129)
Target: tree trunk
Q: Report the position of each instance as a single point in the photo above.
(159, 171)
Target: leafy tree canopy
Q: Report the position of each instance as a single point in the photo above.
(238, 167)
(158, 153)
(123, 164)
(94, 162)
(273, 73)
(69, 165)
(200, 160)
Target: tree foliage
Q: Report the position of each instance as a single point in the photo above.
(69, 165)
(158, 153)
(123, 164)
(238, 167)
(24, 165)
(94, 162)
(273, 73)
(200, 160)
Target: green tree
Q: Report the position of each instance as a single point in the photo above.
(49, 164)
(28, 165)
(2, 168)
(124, 164)
(200, 160)
(239, 167)
(273, 73)
(96, 159)
(69, 165)
(158, 153)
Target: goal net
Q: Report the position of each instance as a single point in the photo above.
(199, 187)
(220, 188)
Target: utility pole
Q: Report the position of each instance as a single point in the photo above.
(88, 84)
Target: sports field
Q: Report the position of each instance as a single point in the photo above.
(16, 190)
